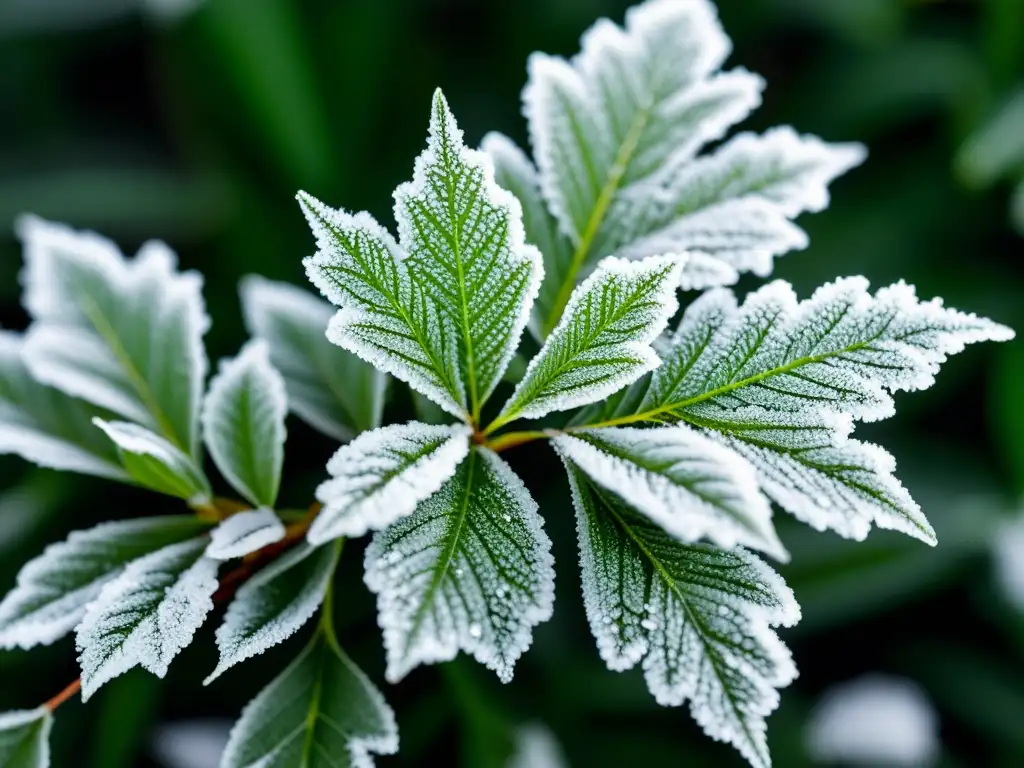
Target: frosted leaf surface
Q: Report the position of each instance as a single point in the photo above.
(444, 310)
(702, 271)
(537, 747)
(45, 426)
(1008, 555)
(245, 532)
(329, 388)
(156, 463)
(681, 480)
(99, 319)
(514, 171)
(616, 132)
(25, 738)
(470, 569)
(243, 423)
(274, 604)
(699, 618)
(382, 475)
(321, 712)
(54, 589)
(146, 615)
(603, 341)
(875, 720)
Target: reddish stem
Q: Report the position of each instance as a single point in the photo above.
(67, 693)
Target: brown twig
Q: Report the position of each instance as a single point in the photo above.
(67, 693)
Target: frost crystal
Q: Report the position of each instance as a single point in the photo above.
(874, 720)
(603, 341)
(45, 426)
(616, 132)
(244, 533)
(98, 319)
(470, 570)
(444, 311)
(700, 618)
(382, 475)
(331, 389)
(54, 589)
(681, 480)
(147, 614)
(274, 604)
(155, 462)
(25, 738)
(243, 423)
(334, 718)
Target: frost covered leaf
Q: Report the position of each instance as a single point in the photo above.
(156, 463)
(45, 426)
(603, 341)
(243, 423)
(54, 589)
(514, 171)
(700, 618)
(245, 532)
(615, 132)
(330, 389)
(537, 747)
(681, 480)
(444, 310)
(274, 604)
(382, 475)
(98, 319)
(321, 712)
(779, 381)
(146, 615)
(25, 738)
(470, 570)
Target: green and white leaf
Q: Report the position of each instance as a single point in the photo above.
(54, 588)
(244, 533)
(98, 318)
(25, 738)
(156, 463)
(243, 423)
(616, 131)
(321, 712)
(146, 615)
(445, 310)
(514, 171)
(681, 480)
(603, 342)
(808, 465)
(699, 618)
(45, 426)
(274, 604)
(382, 475)
(470, 569)
(330, 389)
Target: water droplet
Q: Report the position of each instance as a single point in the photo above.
(475, 630)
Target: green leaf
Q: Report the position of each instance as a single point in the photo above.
(155, 463)
(681, 480)
(245, 532)
(45, 426)
(330, 389)
(382, 475)
(603, 342)
(243, 423)
(54, 589)
(274, 604)
(469, 570)
(25, 738)
(995, 150)
(321, 712)
(147, 614)
(97, 318)
(444, 311)
(700, 618)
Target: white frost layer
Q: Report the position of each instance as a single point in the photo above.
(874, 720)
(244, 533)
(382, 475)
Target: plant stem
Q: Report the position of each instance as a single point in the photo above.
(69, 692)
(512, 439)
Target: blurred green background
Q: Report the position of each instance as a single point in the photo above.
(196, 122)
